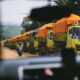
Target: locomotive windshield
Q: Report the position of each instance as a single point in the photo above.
(76, 33)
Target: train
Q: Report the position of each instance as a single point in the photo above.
(51, 37)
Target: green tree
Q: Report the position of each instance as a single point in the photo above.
(73, 4)
(1, 33)
(65, 2)
(29, 24)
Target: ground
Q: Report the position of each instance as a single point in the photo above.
(7, 53)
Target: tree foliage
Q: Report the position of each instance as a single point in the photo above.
(72, 4)
(46, 14)
(29, 24)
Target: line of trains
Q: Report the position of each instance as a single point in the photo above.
(50, 38)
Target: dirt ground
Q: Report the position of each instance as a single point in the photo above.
(6, 53)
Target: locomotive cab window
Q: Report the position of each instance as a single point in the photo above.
(50, 35)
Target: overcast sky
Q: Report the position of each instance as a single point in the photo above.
(13, 11)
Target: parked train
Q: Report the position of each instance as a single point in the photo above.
(51, 37)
